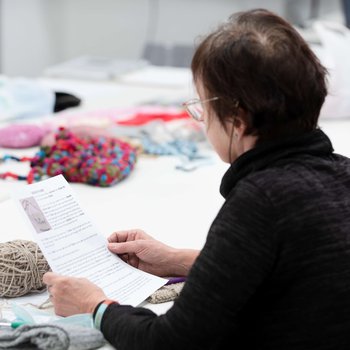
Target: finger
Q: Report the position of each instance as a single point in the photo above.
(133, 260)
(49, 277)
(124, 257)
(127, 235)
(124, 248)
(118, 236)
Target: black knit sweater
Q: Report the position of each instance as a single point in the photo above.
(275, 270)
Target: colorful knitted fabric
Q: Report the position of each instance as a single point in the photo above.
(98, 161)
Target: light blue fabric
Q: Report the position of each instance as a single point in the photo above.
(24, 98)
(29, 314)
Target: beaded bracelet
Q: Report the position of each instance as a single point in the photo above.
(100, 310)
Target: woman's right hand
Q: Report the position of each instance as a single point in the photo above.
(144, 252)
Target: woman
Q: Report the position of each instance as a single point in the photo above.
(274, 272)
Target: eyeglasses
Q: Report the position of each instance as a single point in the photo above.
(194, 107)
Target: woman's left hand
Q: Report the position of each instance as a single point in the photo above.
(71, 295)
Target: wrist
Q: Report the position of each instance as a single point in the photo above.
(99, 311)
(183, 260)
(92, 303)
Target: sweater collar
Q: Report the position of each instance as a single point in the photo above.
(314, 143)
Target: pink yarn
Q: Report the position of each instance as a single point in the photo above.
(21, 136)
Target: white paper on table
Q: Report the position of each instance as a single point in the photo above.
(34, 299)
(72, 245)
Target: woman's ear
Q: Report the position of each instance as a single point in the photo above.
(241, 120)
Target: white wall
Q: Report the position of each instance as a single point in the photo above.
(39, 33)
(27, 43)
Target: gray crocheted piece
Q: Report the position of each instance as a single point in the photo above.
(166, 293)
(51, 336)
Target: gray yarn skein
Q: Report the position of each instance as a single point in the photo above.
(50, 336)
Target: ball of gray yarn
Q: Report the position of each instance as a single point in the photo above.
(22, 266)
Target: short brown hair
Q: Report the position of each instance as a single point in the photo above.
(258, 59)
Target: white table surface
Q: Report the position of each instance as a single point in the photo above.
(174, 206)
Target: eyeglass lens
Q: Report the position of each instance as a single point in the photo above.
(196, 110)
